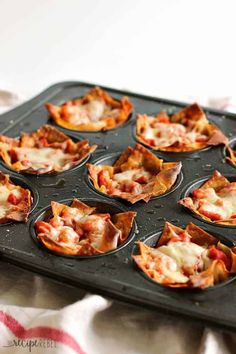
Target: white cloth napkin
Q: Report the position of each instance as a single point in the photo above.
(39, 315)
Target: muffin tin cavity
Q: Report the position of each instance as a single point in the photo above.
(151, 241)
(196, 184)
(110, 159)
(95, 111)
(171, 154)
(26, 184)
(75, 139)
(101, 207)
(91, 134)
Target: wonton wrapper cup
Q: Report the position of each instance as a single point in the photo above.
(101, 207)
(21, 211)
(199, 236)
(193, 114)
(124, 105)
(54, 138)
(167, 179)
(215, 181)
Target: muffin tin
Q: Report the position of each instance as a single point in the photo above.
(115, 273)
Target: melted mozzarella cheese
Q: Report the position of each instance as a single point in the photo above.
(89, 223)
(210, 209)
(185, 254)
(222, 204)
(172, 260)
(168, 134)
(86, 113)
(166, 267)
(165, 134)
(3, 210)
(71, 215)
(53, 233)
(92, 226)
(132, 175)
(191, 136)
(126, 175)
(4, 194)
(228, 195)
(67, 236)
(63, 234)
(43, 157)
(142, 173)
(16, 193)
(95, 109)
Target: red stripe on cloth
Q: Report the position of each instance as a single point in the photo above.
(47, 333)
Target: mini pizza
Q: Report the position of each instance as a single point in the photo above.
(15, 201)
(190, 258)
(232, 156)
(137, 175)
(80, 230)
(95, 111)
(187, 130)
(45, 151)
(214, 201)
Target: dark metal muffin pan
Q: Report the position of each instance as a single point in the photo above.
(115, 274)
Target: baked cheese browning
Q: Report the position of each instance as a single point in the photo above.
(232, 156)
(137, 175)
(214, 201)
(80, 230)
(45, 151)
(186, 258)
(187, 130)
(15, 201)
(96, 111)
